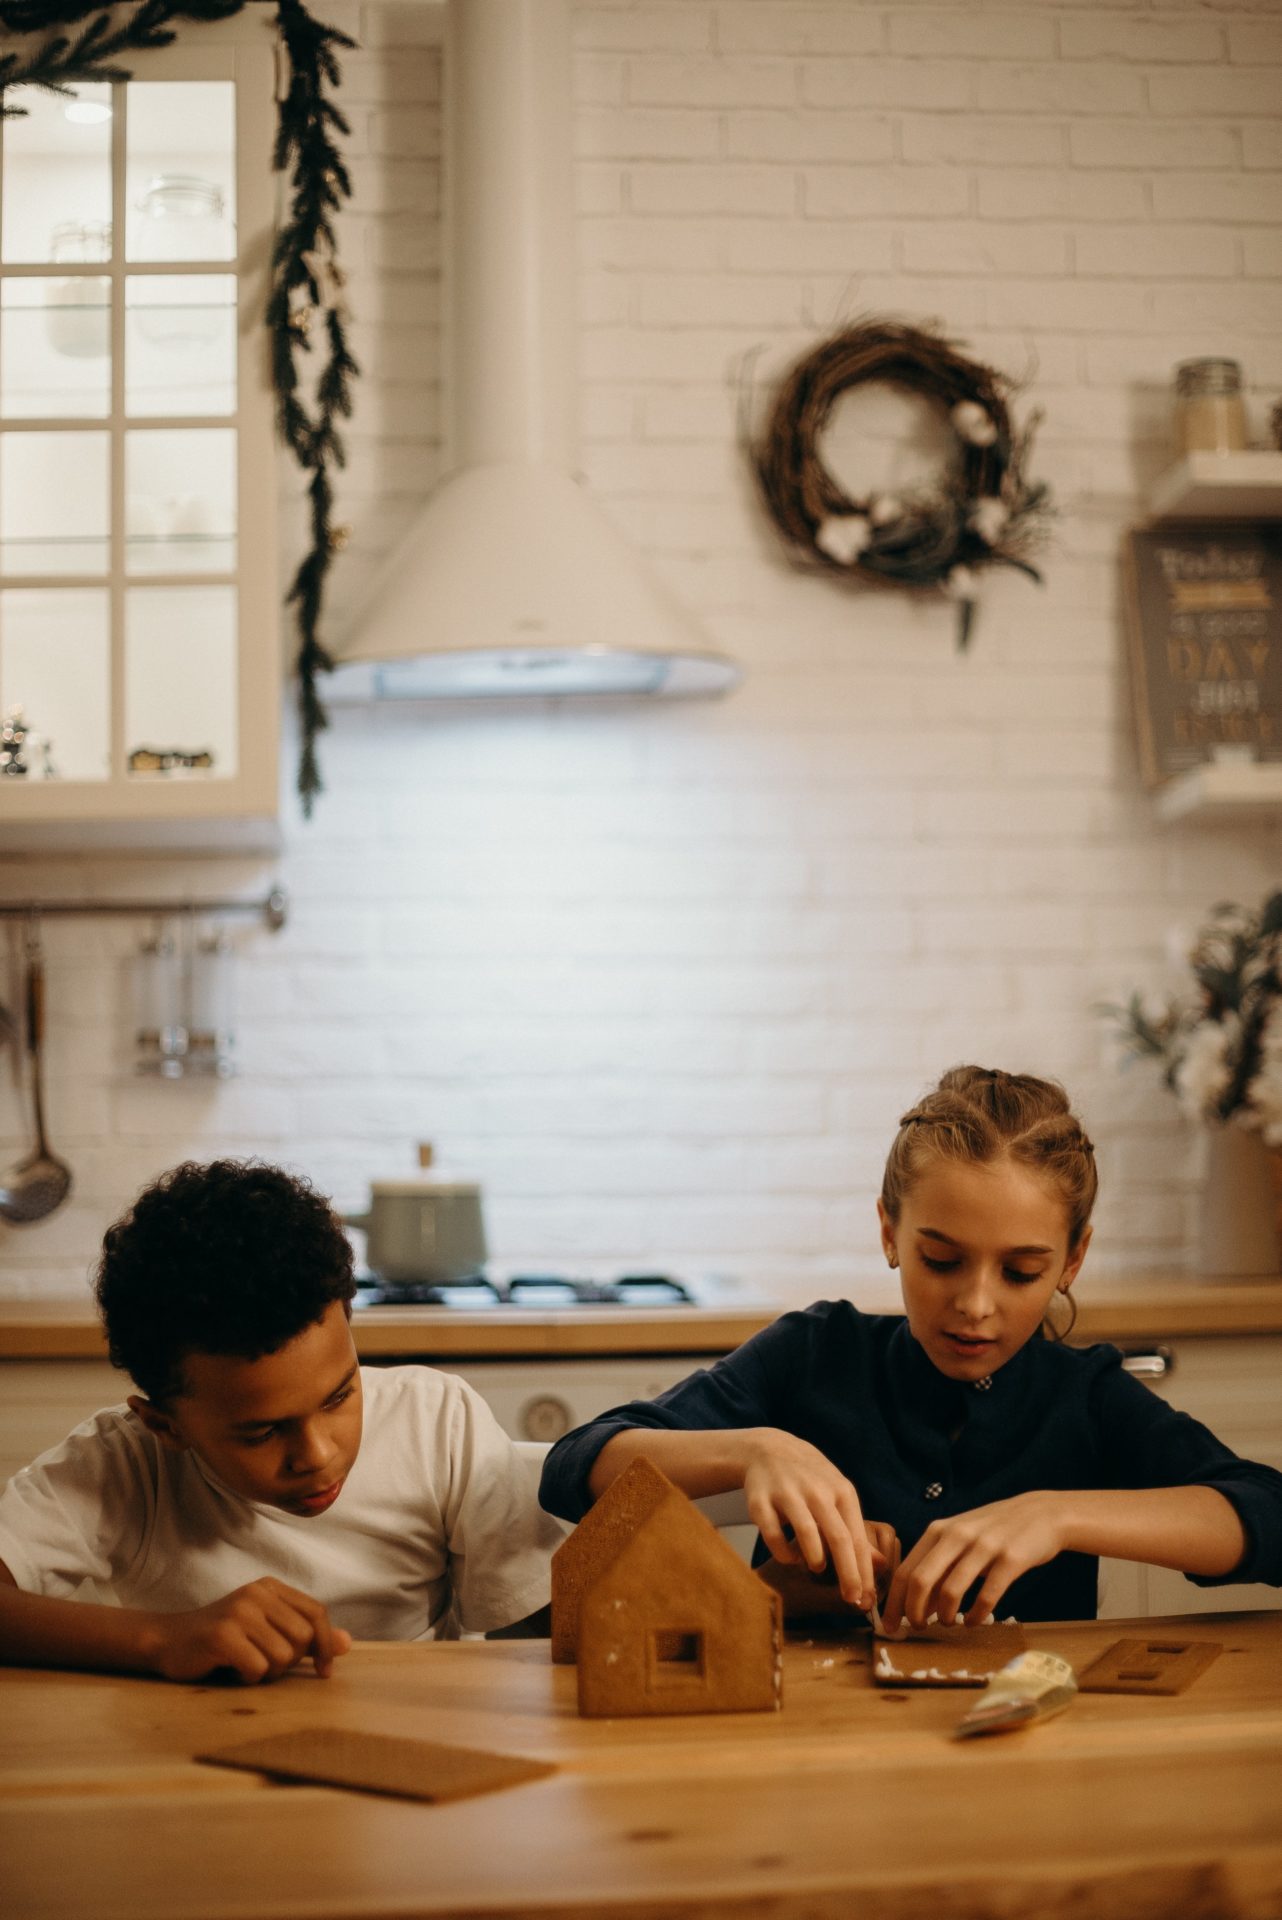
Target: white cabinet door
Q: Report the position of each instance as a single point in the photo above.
(138, 563)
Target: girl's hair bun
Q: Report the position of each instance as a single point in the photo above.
(974, 1115)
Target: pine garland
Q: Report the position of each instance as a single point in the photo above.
(306, 276)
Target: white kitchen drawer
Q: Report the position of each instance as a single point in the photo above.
(1233, 1386)
(542, 1399)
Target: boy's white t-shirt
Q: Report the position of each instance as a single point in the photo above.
(437, 1528)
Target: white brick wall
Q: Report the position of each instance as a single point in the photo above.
(664, 978)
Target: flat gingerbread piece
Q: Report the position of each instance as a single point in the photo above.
(378, 1763)
(947, 1656)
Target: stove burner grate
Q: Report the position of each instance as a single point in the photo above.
(478, 1293)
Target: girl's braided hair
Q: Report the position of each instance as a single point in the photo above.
(977, 1114)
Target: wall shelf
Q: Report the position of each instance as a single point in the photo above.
(1219, 486)
(1222, 793)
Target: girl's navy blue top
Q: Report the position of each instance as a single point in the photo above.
(918, 1446)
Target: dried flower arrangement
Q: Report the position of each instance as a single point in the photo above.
(981, 511)
(1221, 1050)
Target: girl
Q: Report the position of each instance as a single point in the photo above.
(998, 1465)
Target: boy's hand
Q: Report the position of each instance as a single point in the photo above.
(990, 1546)
(259, 1631)
(791, 1485)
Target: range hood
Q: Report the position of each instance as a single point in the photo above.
(512, 580)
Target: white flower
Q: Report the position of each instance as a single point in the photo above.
(1202, 1076)
(1178, 944)
(884, 510)
(1265, 1090)
(962, 584)
(843, 537)
(988, 516)
(974, 423)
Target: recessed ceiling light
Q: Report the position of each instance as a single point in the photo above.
(87, 113)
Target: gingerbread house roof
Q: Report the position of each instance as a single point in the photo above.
(600, 1535)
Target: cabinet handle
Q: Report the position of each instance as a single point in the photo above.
(1149, 1363)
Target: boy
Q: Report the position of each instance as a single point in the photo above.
(262, 1497)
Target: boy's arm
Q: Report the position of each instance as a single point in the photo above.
(258, 1632)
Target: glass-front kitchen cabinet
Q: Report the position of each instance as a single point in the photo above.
(140, 666)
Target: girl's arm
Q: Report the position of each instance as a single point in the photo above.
(805, 1509)
(1193, 1529)
(713, 1460)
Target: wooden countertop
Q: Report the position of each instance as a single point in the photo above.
(1149, 1307)
(850, 1800)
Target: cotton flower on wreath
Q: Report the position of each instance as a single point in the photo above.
(1220, 1045)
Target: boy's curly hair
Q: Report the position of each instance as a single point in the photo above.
(236, 1257)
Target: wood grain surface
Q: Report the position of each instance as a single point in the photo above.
(854, 1801)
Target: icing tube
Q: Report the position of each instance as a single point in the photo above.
(1032, 1686)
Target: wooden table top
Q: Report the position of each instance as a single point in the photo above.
(852, 1800)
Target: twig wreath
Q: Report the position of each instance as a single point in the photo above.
(981, 511)
(307, 281)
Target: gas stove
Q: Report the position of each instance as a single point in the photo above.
(477, 1293)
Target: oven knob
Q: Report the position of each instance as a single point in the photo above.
(546, 1418)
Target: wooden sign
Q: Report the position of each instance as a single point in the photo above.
(1205, 613)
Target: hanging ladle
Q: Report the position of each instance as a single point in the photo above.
(41, 1182)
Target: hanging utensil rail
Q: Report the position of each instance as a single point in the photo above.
(272, 909)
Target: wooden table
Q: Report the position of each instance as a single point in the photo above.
(851, 1804)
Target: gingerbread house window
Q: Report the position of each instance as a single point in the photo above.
(675, 1655)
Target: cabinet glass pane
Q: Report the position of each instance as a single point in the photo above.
(180, 485)
(54, 502)
(180, 170)
(180, 343)
(55, 344)
(55, 663)
(57, 171)
(180, 682)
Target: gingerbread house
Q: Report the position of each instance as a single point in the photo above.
(658, 1612)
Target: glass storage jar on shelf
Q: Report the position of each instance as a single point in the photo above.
(1209, 413)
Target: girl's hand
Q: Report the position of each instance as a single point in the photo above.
(886, 1552)
(989, 1545)
(790, 1484)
